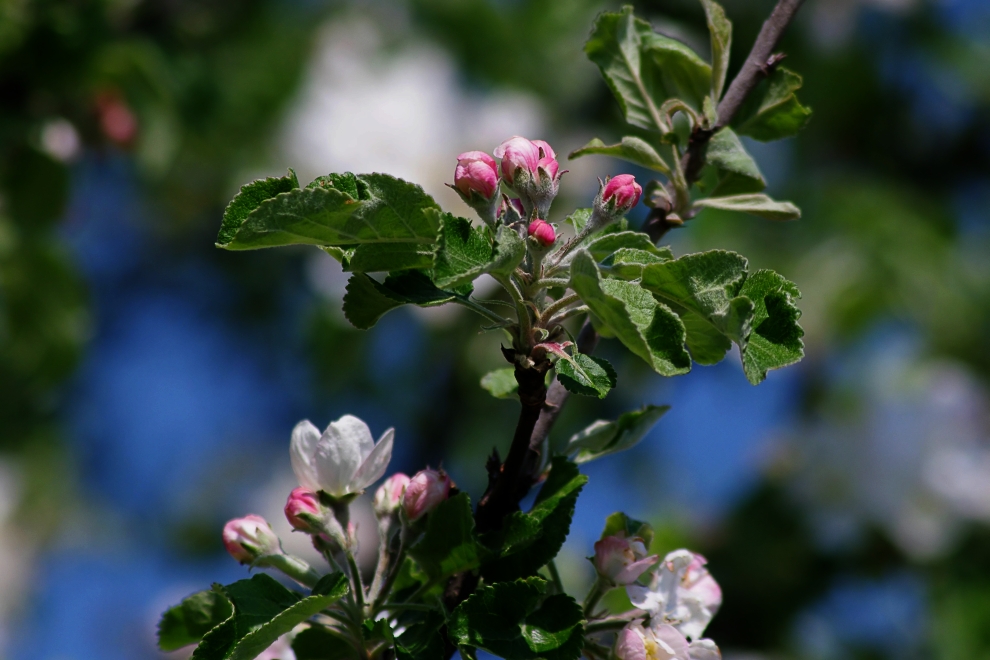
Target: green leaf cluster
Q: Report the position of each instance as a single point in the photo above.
(240, 620)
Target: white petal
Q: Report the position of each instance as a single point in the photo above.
(302, 452)
(704, 649)
(375, 464)
(341, 451)
(644, 598)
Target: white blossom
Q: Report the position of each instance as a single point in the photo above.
(344, 459)
(681, 592)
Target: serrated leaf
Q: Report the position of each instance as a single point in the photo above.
(602, 246)
(250, 198)
(366, 300)
(190, 620)
(706, 284)
(528, 541)
(331, 589)
(627, 263)
(393, 219)
(602, 438)
(772, 110)
(515, 621)
(647, 328)
(501, 383)
(736, 171)
(463, 252)
(643, 69)
(631, 149)
(585, 374)
(345, 182)
(320, 644)
(775, 341)
(448, 545)
(755, 204)
(720, 31)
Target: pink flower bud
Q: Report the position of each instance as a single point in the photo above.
(250, 537)
(542, 231)
(476, 171)
(622, 560)
(388, 497)
(623, 192)
(425, 491)
(302, 504)
(530, 168)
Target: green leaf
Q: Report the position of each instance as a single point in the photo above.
(515, 621)
(421, 640)
(391, 228)
(602, 246)
(585, 374)
(754, 204)
(772, 111)
(775, 341)
(602, 438)
(627, 263)
(448, 545)
(463, 252)
(367, 300)
(250, 198)
(707, 284)
(332, 588)
(631, 149)
(528, 541)
(736, 171)
(643, 69)
(500, 383)
(321, 644)
(720, 31)
(187, 622)
(647, 328)
(346, 183)
(578, 219)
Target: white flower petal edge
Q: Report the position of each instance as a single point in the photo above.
(339, 454)
(375, 463)
(302, 450)
(681, 592)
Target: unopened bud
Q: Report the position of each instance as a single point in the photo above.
(249, 538)
(425, 491)
(510, 210)
(531, 169)
(304, 511)
(476, 181)
(542, 232)
(620, 194)
(388, 497)
(622, 560)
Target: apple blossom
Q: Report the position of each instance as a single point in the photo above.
(530, 168)
(249, 538)
(388, 497)
(343, 460)
(681, 592)
(622, 191)
(476, 181)
(425, 491)
(542, 232)
(303, 510)
(661, 641)
(621, 560)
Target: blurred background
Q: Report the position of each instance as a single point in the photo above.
(149, 382)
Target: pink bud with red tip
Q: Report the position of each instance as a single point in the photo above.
(249, 538)
(623, 192)
(530, 168)
(542, 232)
(303, 510)
(476, 172)
(425, 491)
(388, 497)
(622, 560)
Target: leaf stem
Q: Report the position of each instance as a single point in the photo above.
(558, 305)
(555, 576)
(475, 306)
(611, 623)
(598, 590)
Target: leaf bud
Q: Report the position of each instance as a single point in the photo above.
(388, 497)
(425, 491)
(249, 538)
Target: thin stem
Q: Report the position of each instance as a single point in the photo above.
(566, 314)
(522, 312)
(548, 282)
(598, 590)
(484, 311)
(358, 585)
(386, 587)
(554, 307)
(381, 570)
(555, 576)
(611, 623)
(294, 567)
